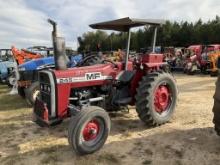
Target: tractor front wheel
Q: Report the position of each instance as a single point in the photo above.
(88, 130)
(156, 98)
(32, 92)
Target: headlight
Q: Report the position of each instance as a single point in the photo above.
(21, 68)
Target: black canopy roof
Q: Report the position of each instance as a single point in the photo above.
(124, 24)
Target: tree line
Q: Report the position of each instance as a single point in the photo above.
(177, 34)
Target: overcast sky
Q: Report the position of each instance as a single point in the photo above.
(23, 22)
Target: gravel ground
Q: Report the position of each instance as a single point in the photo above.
(188, 138)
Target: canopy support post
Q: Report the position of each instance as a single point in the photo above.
(127, 50)
(154, 40)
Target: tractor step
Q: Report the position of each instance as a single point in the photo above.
(123, 101)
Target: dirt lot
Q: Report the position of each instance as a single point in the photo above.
(188, 138)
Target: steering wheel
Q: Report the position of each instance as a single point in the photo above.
(85, 60)
(115, 65)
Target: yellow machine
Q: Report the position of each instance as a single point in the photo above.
(118, 56)
(213, 58)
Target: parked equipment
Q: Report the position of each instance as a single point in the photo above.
(6, 65)
(194, 61)
(23, 55)
(213, 56)
(86, 93)
(198, 59)
(175, 58)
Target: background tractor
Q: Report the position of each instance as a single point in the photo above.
(175, 58)
(87, 94)
(6, 65)
(194, 61)
(202, 58)
(23, 55)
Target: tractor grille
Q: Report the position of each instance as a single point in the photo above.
(45, 90)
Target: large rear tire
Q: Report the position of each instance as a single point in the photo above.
(88, 130)
(216, 118)
(32, 92)
(216, 107)
(156, 98)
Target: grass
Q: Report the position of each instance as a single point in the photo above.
(10, 102)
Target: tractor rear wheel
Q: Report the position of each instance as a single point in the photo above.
(216, 107)
(156, 98)
(32, 92)
(216, 119)
(88, 130)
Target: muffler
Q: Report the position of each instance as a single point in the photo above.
(61, 60)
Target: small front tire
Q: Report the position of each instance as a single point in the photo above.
(32, 92)
(88, 130)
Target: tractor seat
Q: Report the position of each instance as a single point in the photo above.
(125, 76)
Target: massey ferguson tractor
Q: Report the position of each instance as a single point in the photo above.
(87, 94)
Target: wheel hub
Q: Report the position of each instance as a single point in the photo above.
(162, 98)
(91, 130)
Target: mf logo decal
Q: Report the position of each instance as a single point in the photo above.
(87, 77)
(93, 76)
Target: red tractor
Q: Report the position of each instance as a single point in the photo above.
(87, 94)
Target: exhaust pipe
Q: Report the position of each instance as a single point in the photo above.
(61, 60)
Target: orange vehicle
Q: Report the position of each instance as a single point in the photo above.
(23, 55)
(213, 57)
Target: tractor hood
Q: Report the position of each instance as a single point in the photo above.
(34, 64)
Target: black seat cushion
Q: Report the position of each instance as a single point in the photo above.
(126, 76)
